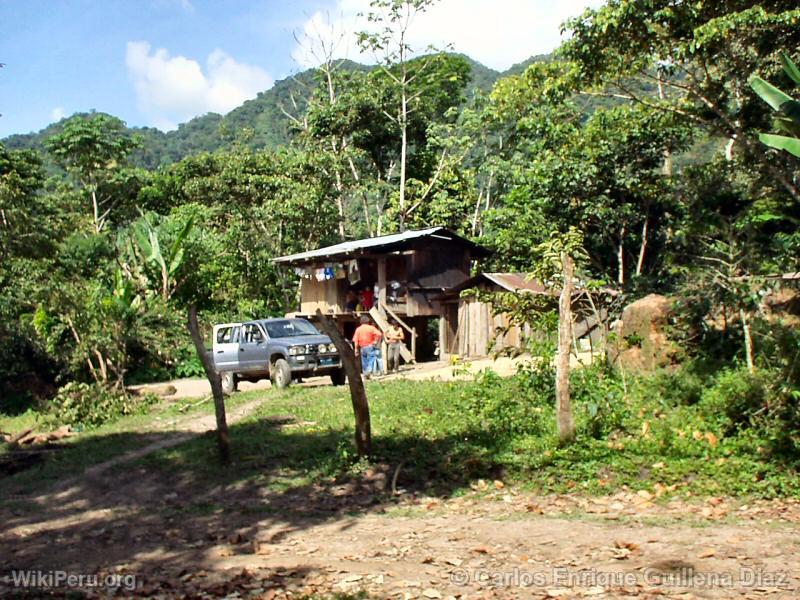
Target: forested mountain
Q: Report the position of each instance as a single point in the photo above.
(260, 123)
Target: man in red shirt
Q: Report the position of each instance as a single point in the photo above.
(366, 340)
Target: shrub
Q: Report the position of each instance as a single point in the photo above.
(91, 405)
(736, 398)
(519, 405)
(188, 364)
(599, 393)
(683, 387)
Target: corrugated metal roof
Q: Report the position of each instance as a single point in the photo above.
(514, 282)
(385, 241)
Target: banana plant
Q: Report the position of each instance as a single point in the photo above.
(147, 239)
(787, 118)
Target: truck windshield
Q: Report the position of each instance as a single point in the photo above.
(289, 328)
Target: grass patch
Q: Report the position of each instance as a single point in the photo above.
(645, 434)
(447, 435)
(96, 445)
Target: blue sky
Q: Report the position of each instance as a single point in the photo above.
(161, 62)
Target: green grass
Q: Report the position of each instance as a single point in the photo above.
(93, 446)
(447, 435)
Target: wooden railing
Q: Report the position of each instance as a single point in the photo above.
(412, 330)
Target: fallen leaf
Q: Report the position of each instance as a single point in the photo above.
(431, 593)
(629, 545)
(707, 553)
(711, 439)
(499, 484)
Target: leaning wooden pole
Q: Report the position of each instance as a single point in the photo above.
(357, 392)
(566, 426)
(216, 387)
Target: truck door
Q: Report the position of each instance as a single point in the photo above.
(253, 349)
(226, 346)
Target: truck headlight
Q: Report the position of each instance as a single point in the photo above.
(296, 350)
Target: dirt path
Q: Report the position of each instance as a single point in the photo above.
(439, 370)
(180, 431)
(347, 539)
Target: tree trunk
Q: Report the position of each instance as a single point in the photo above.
(643, 246)
(403, 150)
(566, 427)
(357, 393)
(223, 443)
(621, 257)
(96, 212)
(748, 341)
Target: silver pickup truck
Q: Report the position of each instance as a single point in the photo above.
(278, 349)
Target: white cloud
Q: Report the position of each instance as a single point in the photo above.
(497, 33)
(57, 113)
(172, 89)
(185, 5)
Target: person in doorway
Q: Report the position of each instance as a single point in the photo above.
(351, 300)
(367, 339)
(394, 340)
(366, 298)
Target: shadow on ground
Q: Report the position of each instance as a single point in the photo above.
(178, 511)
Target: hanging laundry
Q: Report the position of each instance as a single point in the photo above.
(340, 272)
(353, 273)
(319, 274)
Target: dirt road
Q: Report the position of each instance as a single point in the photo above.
(166, 536)
(439, 370)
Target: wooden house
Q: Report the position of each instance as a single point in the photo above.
(394, 276)
(470, 327)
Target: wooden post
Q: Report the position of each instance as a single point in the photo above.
(223, 441)
(566, 427)
(381, 300)
(414, 344)
(357, 393)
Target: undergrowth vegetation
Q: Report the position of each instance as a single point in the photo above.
(671, 433)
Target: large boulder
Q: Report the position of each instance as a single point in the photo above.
(640, 341)
(783, 306)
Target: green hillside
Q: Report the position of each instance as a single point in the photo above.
(257, 123)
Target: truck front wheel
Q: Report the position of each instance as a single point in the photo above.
(338, 377)
(281, 373)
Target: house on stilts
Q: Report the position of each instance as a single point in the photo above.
(417, 278)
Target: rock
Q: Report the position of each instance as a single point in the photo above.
(159, 389)
(783, 305)
(641, 340)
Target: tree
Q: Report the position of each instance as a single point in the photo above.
(223, 440)
(700, 52)
(21, 179)
(559, 256)
(392, 49)
(93, 149)
(614, 186)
